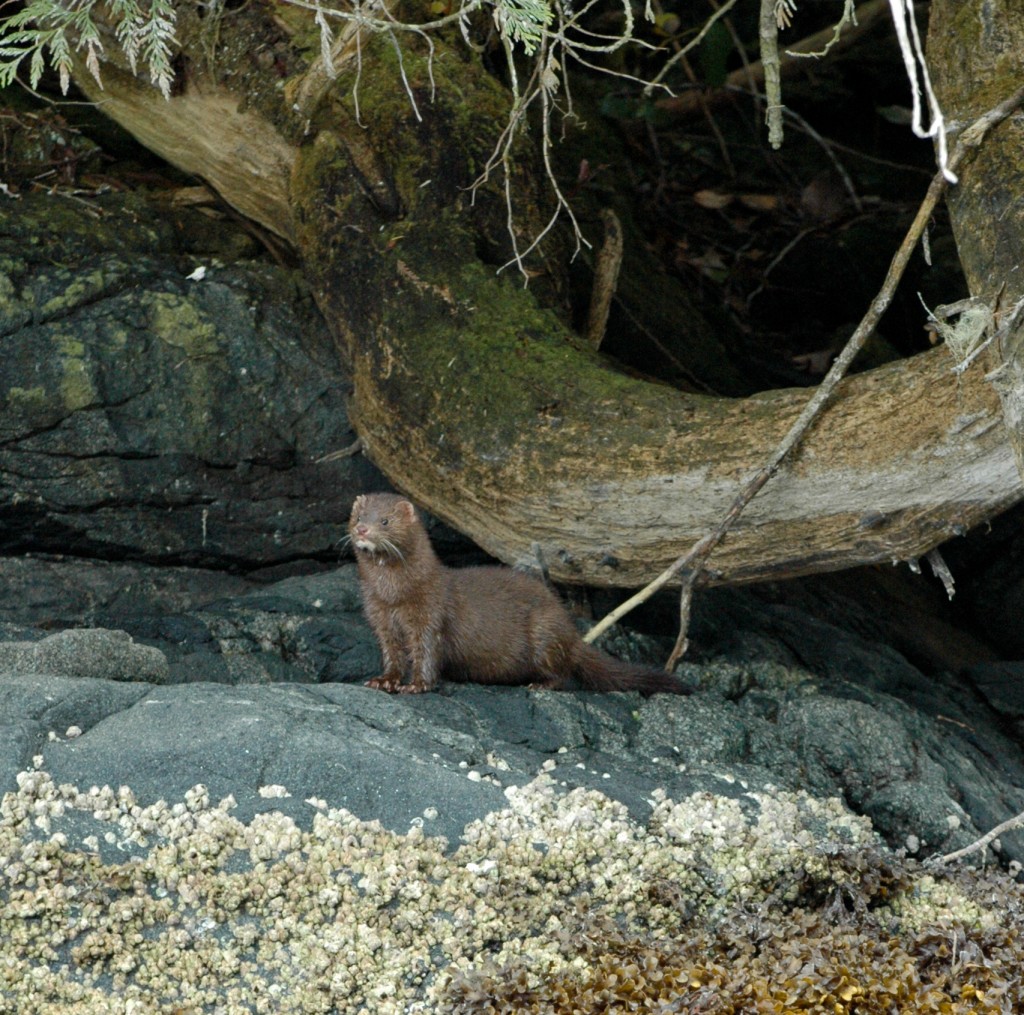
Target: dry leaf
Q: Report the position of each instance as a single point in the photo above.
(760, 202)
(712, 199)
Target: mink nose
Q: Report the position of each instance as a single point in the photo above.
(361, 530)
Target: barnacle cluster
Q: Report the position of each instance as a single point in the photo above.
(560, 902)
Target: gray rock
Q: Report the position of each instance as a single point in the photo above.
(149, 415)
(90, 652)
(383, 758)
(1002, 684)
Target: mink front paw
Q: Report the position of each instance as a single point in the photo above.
(393, 685)
(416, 687)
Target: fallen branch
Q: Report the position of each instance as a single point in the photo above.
(695, 558)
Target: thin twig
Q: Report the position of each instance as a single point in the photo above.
(680, 54)
(746, 68)
(695, 558)
(849, 17)
(776, 261)
(334, 456)
(696, 41)
(383, 23)
(868, 15)
(1005, 826)
(831, 143)
(826, 146)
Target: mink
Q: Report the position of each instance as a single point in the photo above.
(489, 625)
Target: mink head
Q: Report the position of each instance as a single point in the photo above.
(378, 522)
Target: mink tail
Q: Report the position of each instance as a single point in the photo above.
(599, 672)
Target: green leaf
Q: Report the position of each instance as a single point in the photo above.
(523, 21)
(713, 53)
(38, 31)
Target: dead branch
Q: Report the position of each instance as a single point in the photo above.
(1005, 826)
(606, 277)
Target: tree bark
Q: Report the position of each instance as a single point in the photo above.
(975, 51)
(474, 396)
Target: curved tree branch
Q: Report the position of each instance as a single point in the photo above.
(479, 402)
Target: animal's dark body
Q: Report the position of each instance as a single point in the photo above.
(490, 625)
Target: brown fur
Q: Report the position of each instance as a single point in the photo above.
(485, 624)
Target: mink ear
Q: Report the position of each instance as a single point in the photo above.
(407, 510)
(357, 503)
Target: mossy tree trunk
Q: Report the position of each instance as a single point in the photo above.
(977, 52)
(472, 393)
